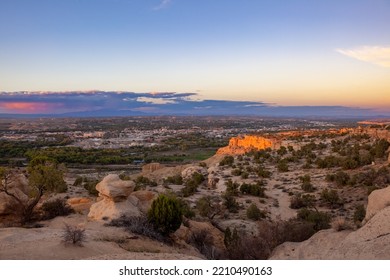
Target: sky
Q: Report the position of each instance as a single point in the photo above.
(273, 52)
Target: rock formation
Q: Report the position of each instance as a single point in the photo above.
(371, 241)
(377, 200)
(151, 167)
(242, 145)
(116, 199)
(18, 186)
(80, 204)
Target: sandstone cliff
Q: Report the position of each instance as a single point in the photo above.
(242, 145)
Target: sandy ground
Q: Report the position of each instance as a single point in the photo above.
(102, 242)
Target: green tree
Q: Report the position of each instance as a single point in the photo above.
(45, 175)
(165, 214)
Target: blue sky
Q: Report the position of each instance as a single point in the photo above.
(274, 51)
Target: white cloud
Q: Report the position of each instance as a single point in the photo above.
(156, 100)
(162, 5)
(378, 55)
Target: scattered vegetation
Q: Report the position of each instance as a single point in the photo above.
(73, 235)
(137, 225)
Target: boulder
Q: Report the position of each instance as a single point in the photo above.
(17, 186)
(377, 200)
(116, 199)
(114, 188)
(145, 199)
(108, 210)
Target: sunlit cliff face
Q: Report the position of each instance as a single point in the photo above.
(242, 145)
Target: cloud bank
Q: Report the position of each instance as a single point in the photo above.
(377, 55)
(103, 103)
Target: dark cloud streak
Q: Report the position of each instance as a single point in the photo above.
(111, 103)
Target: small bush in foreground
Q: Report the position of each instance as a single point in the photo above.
(73, 235)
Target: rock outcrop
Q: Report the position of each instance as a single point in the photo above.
(80, 204)
(371, 241)
(116, 199)
(151, 167)
(115, 188)
(242, 145)
(17, 186)
(377, 200)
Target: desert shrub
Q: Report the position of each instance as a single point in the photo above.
(294, 230)
(379, 148)
(204, 242)
(55, 208)
(198, 178)
(301, 201)
(189, 189)
(340, 224)
(90, 185)
(191, 185)
(282, 166)
(124, 177)
(341, 178)
(320, 220)
(350, 163)
(255, 189)
(306, 183)
(244, 175)
(185, 208)
(208, 206)
(142, 182)
(370, 177)
(243, 247)
(175, 180)
(282, 151)
(230, 203)
(328, 162)
(227, 160)
(359, 213)
(270, 235)
(254, 213)
(165, 214)
(232, 187)
(236, 172)
(73, 235)
(137, 225)
(78, 181)
(262, 172)
(331, 197)
(307, 187)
